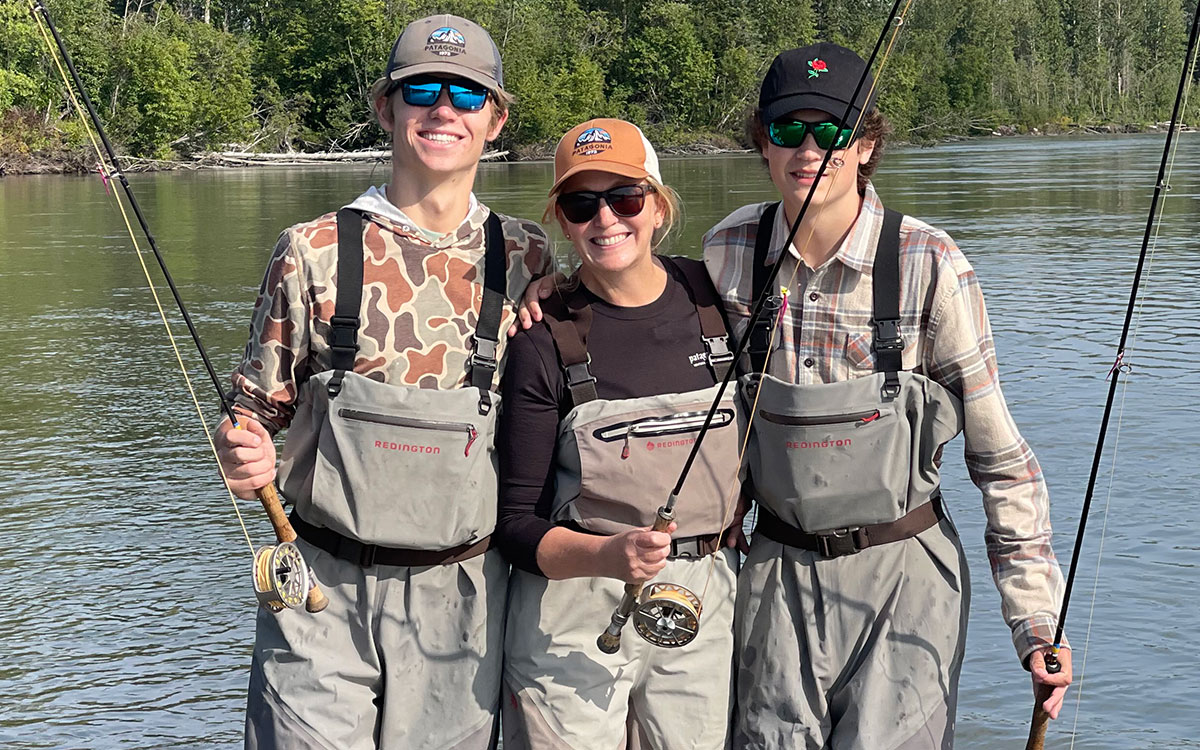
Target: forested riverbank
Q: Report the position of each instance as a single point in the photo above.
(174, 80)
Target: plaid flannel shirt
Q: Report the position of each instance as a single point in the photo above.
(826, 338)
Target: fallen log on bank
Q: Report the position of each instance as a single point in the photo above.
(299, 159)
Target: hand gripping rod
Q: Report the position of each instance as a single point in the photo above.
(1037, 726)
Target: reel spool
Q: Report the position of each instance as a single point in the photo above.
(280, 577)
(668, 615)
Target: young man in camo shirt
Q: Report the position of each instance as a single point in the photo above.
(389, 460)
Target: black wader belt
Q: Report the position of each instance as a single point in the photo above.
(366, 555)
(885, 308)
(343, 335)
(848, 541)
(570, 320)
(760, 335)
(683, 547)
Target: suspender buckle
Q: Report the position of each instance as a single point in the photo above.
(837, 543)
(484, 353)
(887, 335)
(580, 373)
(718, 350)
(343, 333)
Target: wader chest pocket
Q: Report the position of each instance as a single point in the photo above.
(405, 467)
(619, 460)
(833, 470)
(650, 427)
(462, 428)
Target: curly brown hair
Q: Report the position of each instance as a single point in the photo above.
(874, 127)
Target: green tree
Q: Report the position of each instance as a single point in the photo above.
(668, 67)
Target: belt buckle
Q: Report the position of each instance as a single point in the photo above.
(688, 549)
(837, 543)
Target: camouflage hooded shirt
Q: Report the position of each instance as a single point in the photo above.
(420, 304)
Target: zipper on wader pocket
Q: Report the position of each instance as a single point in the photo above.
(675, 424)
(414, 423)
(859, 417)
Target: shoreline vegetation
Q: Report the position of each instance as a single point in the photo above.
(192, 84)
(83, 161)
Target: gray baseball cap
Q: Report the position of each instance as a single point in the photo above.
(446, 44)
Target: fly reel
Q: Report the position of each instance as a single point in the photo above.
(281, 578)
(667, 615)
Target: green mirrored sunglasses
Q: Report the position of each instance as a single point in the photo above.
(790, 133)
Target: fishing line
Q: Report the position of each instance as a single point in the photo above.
(1039, 721)
(1121, 408)
(773, 275)
(1117, 368)
(609, 640)
(109, 168)
(730, 502)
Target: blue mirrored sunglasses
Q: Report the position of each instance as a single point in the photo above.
(424, 92)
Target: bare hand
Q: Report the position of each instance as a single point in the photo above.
(637, 555)
(735, 535)
(530, 308)
(247, 456)
(1060, 681)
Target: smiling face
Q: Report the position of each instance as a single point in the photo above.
(440, 138)
(793, 170)
(609, 244)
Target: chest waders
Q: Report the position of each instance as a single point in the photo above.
(617, 461)
(616, 458)
(853, 599)
(395, 498)
(391, 474)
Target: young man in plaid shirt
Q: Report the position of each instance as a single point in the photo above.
(853, 601)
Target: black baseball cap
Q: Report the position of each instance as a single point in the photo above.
(820, 76)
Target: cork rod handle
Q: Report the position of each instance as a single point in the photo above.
(284, 532)
(1041, 719)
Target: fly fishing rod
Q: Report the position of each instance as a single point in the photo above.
(281, 578)
(662, 614)
(1037, 727)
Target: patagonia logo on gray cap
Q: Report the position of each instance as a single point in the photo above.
(446, 41)
(446, 45)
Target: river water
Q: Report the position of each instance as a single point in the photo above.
(128, 612)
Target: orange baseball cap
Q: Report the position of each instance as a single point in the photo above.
(604, 145)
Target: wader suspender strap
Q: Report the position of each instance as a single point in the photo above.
(760, 335)
(885, 310)
(569, 328)
(712, 322)
(343, 334)
(487, 330)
